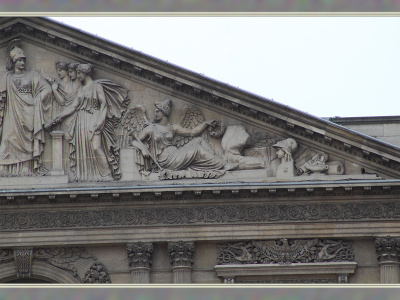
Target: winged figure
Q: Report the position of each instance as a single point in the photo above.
(174, 150)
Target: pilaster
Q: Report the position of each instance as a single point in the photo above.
(140, 256)
(388, 251)
(181, 258)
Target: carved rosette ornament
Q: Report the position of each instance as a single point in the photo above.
(140, 256)
(388, 251)
(181, 258)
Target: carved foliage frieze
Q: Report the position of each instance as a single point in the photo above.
(232, 214)
(285, 251)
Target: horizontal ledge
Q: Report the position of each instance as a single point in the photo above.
(113, 189)
(337, 268)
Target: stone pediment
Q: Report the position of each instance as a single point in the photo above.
(131, 119)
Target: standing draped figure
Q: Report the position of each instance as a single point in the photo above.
(25, 102)
(92, 118)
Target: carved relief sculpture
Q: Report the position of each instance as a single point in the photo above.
(96, 274)
(176, 150)
(64, 91)
(284, 152)
(285, 251)
(25, 106)
(312, 162)
(74, 262)
(94, 114)
(316, 165)
(233, 142)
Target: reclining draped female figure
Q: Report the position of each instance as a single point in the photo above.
(192, 159)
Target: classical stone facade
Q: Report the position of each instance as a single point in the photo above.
(117, 167)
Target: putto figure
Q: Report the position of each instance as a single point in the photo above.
(176, 150)
(25, 105)
(93, 115)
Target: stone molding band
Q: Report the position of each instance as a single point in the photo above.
(223, 214)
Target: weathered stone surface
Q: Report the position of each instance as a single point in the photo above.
(134, 149)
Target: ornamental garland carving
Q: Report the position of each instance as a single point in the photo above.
(285, 251)
(229, 214)
(97, 274)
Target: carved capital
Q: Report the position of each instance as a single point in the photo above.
(23, 260)
(181, 253)
(140, 255)
(387, 249)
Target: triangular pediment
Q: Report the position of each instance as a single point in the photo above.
(207, 131)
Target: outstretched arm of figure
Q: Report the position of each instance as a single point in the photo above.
(178, 129)
(69, 110)
(137, 141)
(54, 87)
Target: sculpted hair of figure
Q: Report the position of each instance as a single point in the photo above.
(62, 65)
(164, 106)
(73, 66)
(86, 69)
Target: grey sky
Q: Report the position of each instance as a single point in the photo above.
(326, 66)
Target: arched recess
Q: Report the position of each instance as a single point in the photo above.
(39, 270)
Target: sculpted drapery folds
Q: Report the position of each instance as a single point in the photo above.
(177, 150)
(89, 125)
(66, 90)
(25, 99)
